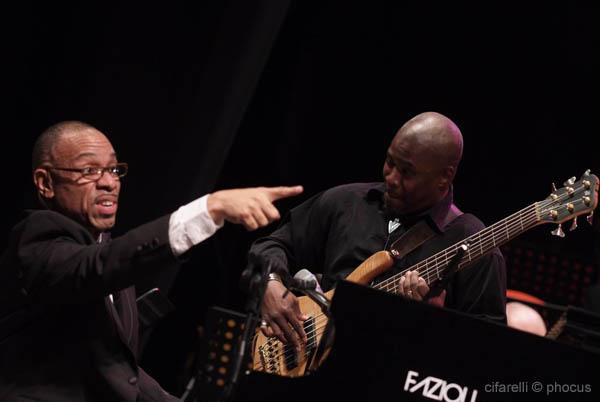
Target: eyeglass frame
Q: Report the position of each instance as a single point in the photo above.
(96, 170)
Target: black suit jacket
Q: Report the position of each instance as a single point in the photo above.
(61, 338)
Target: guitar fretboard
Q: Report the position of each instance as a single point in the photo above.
(475, 246)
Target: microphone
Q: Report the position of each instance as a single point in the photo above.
(304, 279)
(306, 282)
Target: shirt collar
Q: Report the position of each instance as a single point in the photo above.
(436, 215)
(103, 237)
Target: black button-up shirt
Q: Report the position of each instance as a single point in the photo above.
(336, 230)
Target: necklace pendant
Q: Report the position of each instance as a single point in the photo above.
(393, 225)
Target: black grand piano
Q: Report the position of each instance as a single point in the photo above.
(387, 348)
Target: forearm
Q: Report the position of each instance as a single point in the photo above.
(272, 254)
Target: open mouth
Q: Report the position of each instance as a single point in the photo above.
(106, 206)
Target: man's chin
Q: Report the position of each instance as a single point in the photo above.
(104, 224)
(394, 206)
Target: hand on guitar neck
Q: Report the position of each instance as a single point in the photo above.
(281, 313)
(412, 286)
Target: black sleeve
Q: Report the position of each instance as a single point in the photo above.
(57, 263)
(298, 243)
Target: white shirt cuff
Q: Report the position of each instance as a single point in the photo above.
(190, 225)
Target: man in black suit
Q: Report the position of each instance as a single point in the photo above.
(68, 318)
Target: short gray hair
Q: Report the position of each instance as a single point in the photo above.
(42, 147)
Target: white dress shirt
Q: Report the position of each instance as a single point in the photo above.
(190, 225)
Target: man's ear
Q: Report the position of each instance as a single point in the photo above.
(43, 183)
(447, 177)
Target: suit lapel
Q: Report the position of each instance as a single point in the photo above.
(121, 311)
(110, 306)
(121, 308)
(124, 308)
(115, 307)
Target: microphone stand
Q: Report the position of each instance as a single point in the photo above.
(256, 286)
(324, 303)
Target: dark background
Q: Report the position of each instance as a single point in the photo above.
(206, 95)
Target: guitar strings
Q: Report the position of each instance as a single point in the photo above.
(530, 218)
(310, 335)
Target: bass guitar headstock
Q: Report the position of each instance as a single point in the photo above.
(577, 197)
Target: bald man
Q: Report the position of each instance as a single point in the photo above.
(336, 230)
(68, 316)
(525, 318)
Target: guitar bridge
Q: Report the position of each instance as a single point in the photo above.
(268, 355)
(273, 350)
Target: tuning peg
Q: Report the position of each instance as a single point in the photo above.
(558, 231)
(587, 172)
(573, 225)
(553, 187)
(570, 182)
(590, 217)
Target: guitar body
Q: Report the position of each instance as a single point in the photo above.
(273, 356)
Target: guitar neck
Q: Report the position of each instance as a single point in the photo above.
(477, 245)
(576, 198)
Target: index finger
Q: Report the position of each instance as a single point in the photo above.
(298, 327)
(276, 193)
(422, 287)
(288, 332)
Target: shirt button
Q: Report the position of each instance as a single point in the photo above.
(155, 242)
(133, 380)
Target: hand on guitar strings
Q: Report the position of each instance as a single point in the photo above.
(412, 286)
(282, 316)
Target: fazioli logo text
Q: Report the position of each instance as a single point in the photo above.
(438, 389)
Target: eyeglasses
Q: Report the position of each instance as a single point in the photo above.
(95, 173)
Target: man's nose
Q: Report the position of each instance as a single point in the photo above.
(107, 180)
(393, 177)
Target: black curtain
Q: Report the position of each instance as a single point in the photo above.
(204, 95)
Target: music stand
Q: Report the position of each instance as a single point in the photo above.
(223, 330)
